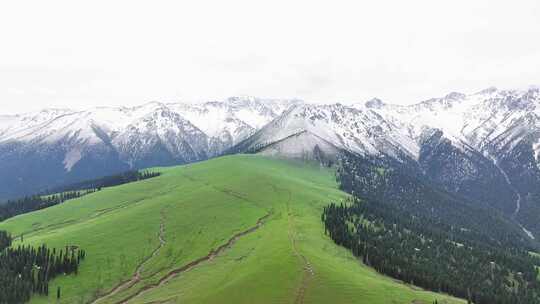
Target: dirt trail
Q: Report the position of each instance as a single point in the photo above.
(211, 255)
(137, 275)
(309, 273)
(175, 272)
(96, 214)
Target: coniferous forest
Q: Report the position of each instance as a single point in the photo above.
(26, 270)
(412, 241)
(107, 181)
(391, 183)
(36, 202)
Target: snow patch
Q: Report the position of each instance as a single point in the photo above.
(529, 234)
(71, 158)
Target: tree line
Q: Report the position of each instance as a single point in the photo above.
(108, 181)
(413, 232)
(393, 184)
(36, 202)
(44, 200)
(420, 251)
(26, 270)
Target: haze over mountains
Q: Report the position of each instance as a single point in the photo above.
(484, 146)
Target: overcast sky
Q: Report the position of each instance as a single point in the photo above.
(83, 53)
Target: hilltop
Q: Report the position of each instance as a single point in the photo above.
(207, 233)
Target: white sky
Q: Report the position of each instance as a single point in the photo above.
(84, 53)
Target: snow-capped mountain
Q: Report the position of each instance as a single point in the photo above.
(331, 128)
(55, 146)
(485, 146)
(491, 120)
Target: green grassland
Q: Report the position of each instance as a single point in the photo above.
(236, 229)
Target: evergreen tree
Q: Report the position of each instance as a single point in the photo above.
(421, 235)
(26, 270)
(41, 201)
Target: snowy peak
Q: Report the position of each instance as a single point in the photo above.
(175, 131)
(339, 126)
(445, 102)
(475, 119)
(374, 103)
(492, 122)
(234, 119)
(164, 133)
(484, 145)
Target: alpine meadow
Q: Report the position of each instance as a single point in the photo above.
(235, 229)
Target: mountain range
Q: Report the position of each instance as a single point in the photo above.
(58, 146)
(483, 146)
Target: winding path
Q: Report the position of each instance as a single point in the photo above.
(130, 284)
(212, 254)
(137, 275)
(308, 272)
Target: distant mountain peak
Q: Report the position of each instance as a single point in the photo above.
(455, 96)
(242, 99)
(375, 103)
(489, 90)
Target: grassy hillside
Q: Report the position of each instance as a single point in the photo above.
(237, 229)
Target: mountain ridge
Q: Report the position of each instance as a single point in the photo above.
(75, 141)
(485, 145)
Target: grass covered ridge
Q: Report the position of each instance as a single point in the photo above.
(236, 229)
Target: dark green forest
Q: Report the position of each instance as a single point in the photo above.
(106, 181)
(26, 270)
(388, 182)
(410, 231)
(44, 200)
(35, 202)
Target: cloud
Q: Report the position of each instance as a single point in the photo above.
(63, 53)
